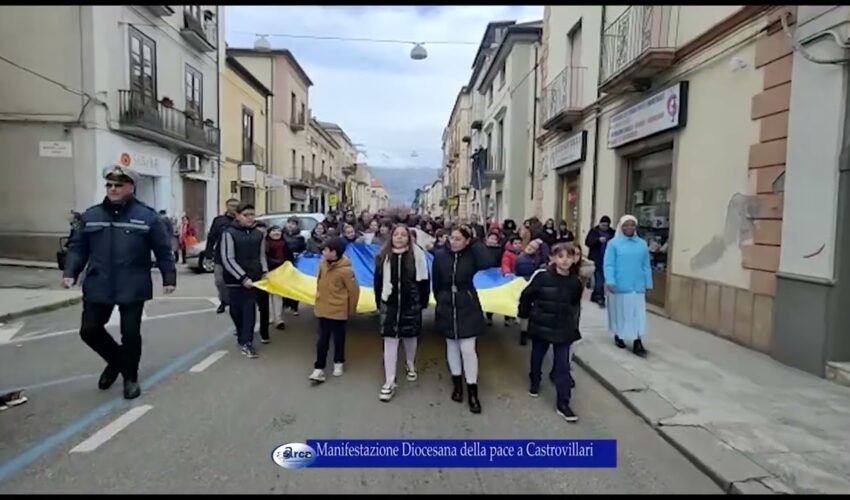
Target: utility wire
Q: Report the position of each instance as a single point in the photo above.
(43, 77)
(354, 39)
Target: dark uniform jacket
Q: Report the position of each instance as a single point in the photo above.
(116, 242)
(295, 242)
(551, 302)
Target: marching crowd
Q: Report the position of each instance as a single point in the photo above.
(245, 250)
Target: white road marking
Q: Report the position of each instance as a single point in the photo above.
(115, 318)
(203, 365)
(214, 301)
(108, 432)
(9, 331)
(31, 337)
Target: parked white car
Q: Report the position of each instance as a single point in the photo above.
(197, 261)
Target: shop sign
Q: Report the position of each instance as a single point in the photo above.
(298, 193)
(571, 150)
(665, 110)
(332, 200)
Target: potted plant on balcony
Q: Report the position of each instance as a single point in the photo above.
(167, 102)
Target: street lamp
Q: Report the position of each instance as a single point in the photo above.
(418, 52)
(261, 44)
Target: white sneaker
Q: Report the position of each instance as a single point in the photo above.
(412, 375)
(387, 391)
(338, 369)
(318, 376)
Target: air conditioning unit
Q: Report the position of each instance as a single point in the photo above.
(190, 163)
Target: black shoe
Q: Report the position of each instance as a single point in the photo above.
(221, 308)
(131, 389)
(474, 404)
(572, 383)
(107, 378)
(523, 338)
(619, 342)
(534, 391)
(567, 414)
(638, 348)
(457, 393)
(248, 350)
(280, 326)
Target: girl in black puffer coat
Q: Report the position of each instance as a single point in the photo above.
(458, 315)
(402, 290)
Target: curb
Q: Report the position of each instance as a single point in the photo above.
(42, 308)
(728, 485)
(29, 264)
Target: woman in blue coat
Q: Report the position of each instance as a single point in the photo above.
(628, 275)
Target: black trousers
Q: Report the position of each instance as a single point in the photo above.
(124, 357)
(263, 306)
(291, 304)
(327, 329)
(560, 367)
(243, 311)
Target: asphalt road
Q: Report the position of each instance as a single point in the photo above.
(212, 431)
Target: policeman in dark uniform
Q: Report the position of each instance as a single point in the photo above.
(115, 241)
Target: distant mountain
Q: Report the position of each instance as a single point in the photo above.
(402, 183)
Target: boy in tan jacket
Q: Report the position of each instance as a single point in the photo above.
(337, 293)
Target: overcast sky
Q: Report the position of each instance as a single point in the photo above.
(393, 105)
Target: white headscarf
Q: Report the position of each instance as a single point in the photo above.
(623, 220)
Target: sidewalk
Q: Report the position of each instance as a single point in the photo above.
(751, 423)
(16, 302)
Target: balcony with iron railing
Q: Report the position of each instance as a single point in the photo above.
(297, 120)
(637, 46)
(302, 178)
(141, 116)
(201, 33)
(494, 168)
(254, 154)
(562, 100)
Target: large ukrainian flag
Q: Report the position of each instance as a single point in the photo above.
(499, 294)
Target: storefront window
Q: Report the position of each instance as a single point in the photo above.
(650, 184)
(570, 201)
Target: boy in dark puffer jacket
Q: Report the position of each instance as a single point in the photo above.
(551, 302)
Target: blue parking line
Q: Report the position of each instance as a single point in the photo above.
(24, 459)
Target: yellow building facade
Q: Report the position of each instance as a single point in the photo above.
(244, 131)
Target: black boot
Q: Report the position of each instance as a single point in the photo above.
(131, 389)
(221, 308)
(638, 348)
(523, 338)
(457, 393)
(474, 404)
(619, 342)
(107, 378)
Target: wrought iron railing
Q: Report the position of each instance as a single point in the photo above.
(140, 110)
(563, 93)
(254, 153)
(208, 29)
(639, 29)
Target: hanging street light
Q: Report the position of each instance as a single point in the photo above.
(418, 52)
(261, 44)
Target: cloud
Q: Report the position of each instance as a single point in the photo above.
(390, 103)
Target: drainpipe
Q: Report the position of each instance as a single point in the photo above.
(596, 127)
(268, 151)
(534, 124)
(218, 109)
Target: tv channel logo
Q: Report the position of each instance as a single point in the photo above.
(294, 455)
